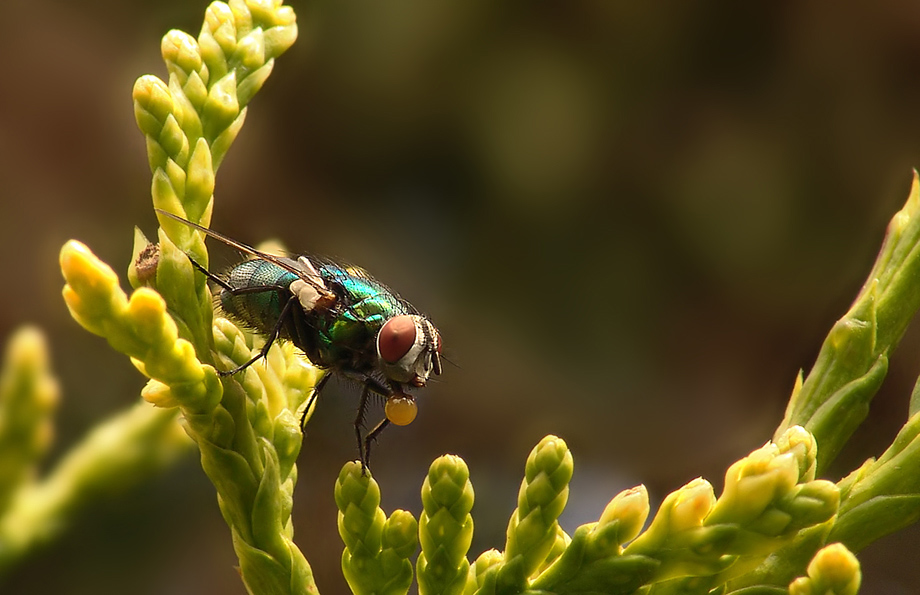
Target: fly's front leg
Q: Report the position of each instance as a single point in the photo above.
(375, 387)
(369, 439)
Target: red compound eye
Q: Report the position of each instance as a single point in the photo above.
(396, 338)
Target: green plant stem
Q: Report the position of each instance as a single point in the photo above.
(117, 455)
(834, 398)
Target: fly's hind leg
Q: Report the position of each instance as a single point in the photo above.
(276, 331)
(313, 396)
(211, 276)
(268, 341)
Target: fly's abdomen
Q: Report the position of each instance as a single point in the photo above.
(261, 289)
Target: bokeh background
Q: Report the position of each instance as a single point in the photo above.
(633, 223)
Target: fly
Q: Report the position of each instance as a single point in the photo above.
(344, 320)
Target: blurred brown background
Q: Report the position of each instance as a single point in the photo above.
(633, 223)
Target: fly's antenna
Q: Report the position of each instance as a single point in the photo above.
(453, 363)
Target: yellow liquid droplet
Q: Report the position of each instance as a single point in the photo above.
(401, 409)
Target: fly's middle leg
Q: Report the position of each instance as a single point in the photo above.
(268, 341)
(313, 396)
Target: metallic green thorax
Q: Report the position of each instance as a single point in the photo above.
(342, 336)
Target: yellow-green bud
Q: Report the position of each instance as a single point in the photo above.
(199, 186)
(400, 534)
(173, 140)
(250, 85)
(445, 527)
(834, 570)
(196, 88)
(548, 472)
(682, 512)
(250, 51)
(691, 504)
(357, 497)
(181, 54)
(152, 104)
(28, 397)
(221, 107)
(801, 443)
(165, 198)
(242, 17)
(270, 13)
(620, 522)
(542, 497)
(156, 392)
(560, 545)
(487, 560)
(221, 144)
(92, 287)
(377, 549)
(287, 439)
(278, 39)
(753, 483)
(811, 503)
(220, 23)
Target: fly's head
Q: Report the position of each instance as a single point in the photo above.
(409, 349)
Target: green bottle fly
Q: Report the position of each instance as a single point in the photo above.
(344, 321)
